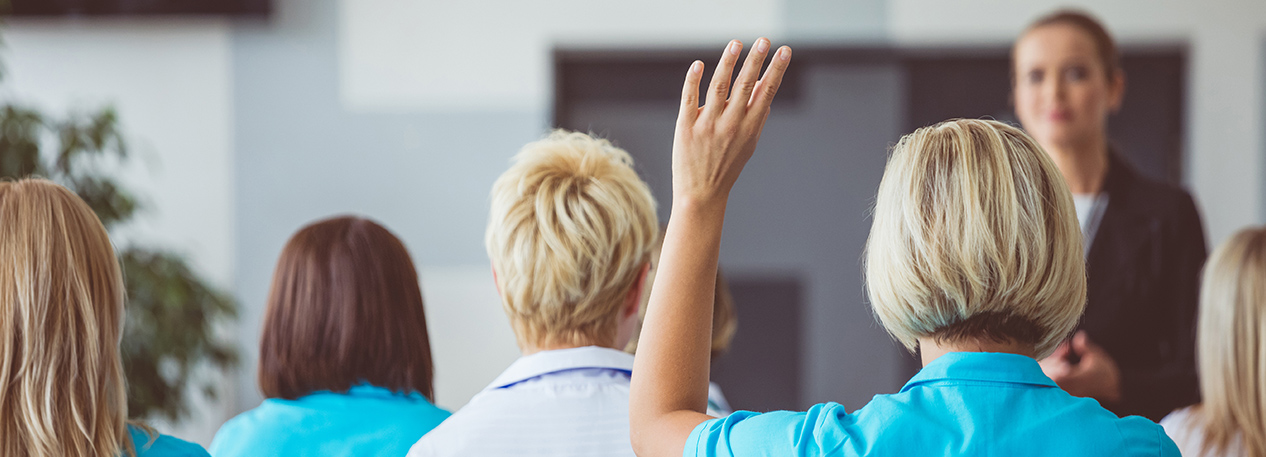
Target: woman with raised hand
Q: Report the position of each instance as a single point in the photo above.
(344, 360)
(1231, 344)
(974, 258)
(1144, 242)
(62, 390)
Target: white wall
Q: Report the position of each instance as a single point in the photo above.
(169, 81)
(471, 340)
(398, 55)
(1225, 146)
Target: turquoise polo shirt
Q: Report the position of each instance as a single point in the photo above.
(961, 404)
(157, 445)
(365, 421)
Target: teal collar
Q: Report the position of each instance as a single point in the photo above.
(981, 366)
(366, 390)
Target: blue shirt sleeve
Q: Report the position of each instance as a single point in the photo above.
(821, 430)
(163, 445)
(1168, 448)
(221, 443)
(1142, 437)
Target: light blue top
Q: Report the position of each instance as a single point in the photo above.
(365, 421)
(162, 445)
(961, 404)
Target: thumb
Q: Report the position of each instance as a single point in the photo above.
(1055, 368)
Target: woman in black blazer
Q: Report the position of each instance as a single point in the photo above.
(1135, 351)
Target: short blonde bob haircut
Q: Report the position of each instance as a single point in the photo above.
(62, 388)
(975, 238)
(1231, 346)
(570, 231)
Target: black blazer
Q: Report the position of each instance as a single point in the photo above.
(1143, 280)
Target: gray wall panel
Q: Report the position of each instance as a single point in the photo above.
(300, 156)
(864, 20)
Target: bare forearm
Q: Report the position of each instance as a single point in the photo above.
(710, 147)
(671, 385)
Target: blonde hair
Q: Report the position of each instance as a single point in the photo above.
(975, 237)
(61, 313)
(1231, 344)
(570, 229)
(724, 316)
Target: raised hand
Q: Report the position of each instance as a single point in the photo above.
(713, 142)
(668, 397)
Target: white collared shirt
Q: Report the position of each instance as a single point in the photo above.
(1186, 428)
(566, 402)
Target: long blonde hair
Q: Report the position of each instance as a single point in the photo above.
(62, 390)
(1231, 346)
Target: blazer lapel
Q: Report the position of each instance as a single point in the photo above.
(1122, 236)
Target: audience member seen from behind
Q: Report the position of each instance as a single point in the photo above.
(974, 257)
(1135, 352)
(1231, 419)
(61, 321)
(569, 236)
(724, 326)
(344, 360)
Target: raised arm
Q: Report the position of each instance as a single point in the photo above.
(712, 143)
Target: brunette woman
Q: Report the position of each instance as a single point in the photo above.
(345, 360)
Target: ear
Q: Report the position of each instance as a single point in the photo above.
(633, 301)
(1116, 91)
(495, 283)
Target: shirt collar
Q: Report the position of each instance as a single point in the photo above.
(369, 390)
(982, 366)
(546, 362)
(364, 389)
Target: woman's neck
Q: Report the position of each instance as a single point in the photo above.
(1084, 166)
(930, 349)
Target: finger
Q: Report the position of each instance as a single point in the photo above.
(768, 85)
(1081, 342)
(1055, 369)
(690, 94)
(747, 77)
(719, 89)
(1061, 352)
(1061, 373)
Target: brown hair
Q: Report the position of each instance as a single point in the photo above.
(62, 388)
(724, 318)
(345, 308)
(1105, 47)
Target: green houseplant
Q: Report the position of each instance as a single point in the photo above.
(172, 313)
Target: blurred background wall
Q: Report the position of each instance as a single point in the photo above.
(407, 110)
